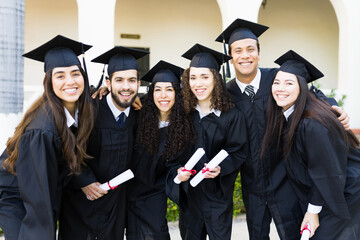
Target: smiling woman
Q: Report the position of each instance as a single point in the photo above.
(68, 85)
(218, 126)
(164, 137)
(48, 145)
(164, 99)
(321, 159)
(285, 89)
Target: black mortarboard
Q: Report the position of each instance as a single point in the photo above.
(202, 56)
(58, 52)
(292, 62)
(241, 29)
(120, 59)
(164, 72)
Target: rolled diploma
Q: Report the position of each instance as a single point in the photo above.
(212, 164)
(192, 162)
(306, 234)
(119, 179)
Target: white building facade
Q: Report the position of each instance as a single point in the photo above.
(324, 31)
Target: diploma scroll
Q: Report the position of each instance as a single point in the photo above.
(192, 162)
(212, 164)
(305, 233)
(116, 181)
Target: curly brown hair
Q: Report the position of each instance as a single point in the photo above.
(181, 131)
(220, 99)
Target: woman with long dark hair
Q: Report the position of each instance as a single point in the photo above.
(163, 135)
(321, 158)
(207, 208)
(48, 145)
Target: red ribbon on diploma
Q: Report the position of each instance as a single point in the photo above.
(204, 170)
(112, 188)
(193, 172)
(305, 228)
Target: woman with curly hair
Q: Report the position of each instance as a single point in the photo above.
(322, 160)
(48, 145)
(164, 134)
(207, 208)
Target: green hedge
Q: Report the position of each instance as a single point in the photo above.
(173, 211)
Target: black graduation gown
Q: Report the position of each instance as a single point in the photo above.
(267, 191)
(111, 149)
(30, 201)
(147, 198)
(208, 207)
(325, 173)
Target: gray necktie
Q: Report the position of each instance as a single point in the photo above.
(249, 89)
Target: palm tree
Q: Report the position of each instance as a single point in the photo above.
(11, 61)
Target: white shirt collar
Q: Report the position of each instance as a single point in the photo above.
(216, 112)
(70, 120)
(255, 82)
(288, 112)
(115, 111)
(163, 124)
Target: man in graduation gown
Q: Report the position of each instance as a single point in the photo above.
(265, 185)
(88, 212)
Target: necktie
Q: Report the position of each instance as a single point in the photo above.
(121, 119)
(249, 89)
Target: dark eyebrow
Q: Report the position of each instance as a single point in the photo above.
(58, 72)
(285, 80)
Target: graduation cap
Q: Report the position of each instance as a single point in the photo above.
(120, 58)
(241, 29)
(58, 52)
(164, 72)
(202, 56)
(292, 62)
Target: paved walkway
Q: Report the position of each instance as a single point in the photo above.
(239, 230)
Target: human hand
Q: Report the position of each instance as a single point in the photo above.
(183, 175)
(343, 118)
(137, 103)
(93, 192)
(103, 91)
(212, 172)
(312, 220)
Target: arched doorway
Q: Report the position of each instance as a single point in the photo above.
(308, 27)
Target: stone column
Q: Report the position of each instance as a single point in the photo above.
(232, 9)
(349, 56)
(96, 27)
(11, 61)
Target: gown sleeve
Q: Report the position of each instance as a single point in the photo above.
(236, 145)
(37, 173)
(83, 179)
(327, 161)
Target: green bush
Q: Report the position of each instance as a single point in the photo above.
(332, 94)
(173, 210)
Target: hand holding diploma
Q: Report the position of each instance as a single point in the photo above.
(116, 181)
(211, 165)
(305, 232)
(93, 191)
(309, 225)
(186, 171)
